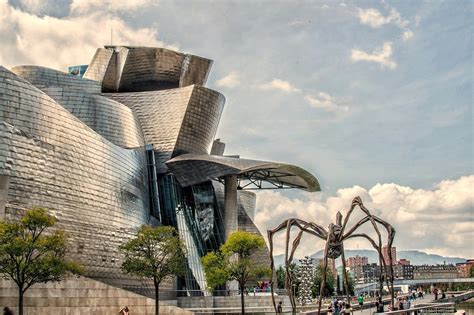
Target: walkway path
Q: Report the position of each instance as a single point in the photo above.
(427, 298)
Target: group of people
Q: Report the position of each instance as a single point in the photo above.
(339, 307)
(437, 292)
(262, 286)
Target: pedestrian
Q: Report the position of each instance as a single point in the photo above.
(360, 299)
(124, 311)
(280, 307)
(7, 311)
(400, 304)
(335, 309)
(435, 291)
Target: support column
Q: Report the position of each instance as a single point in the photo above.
(231, 219)
(230, 204)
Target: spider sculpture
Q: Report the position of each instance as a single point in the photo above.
(335, 236)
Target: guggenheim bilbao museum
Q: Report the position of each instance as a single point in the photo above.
(129, 142)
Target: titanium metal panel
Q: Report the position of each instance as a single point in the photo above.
(136, 69)
(112, 120)
(175, 121)
(99, 64)
(95, 189)
(44, 77)
(191, 169)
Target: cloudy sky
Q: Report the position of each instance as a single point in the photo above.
(373, 97)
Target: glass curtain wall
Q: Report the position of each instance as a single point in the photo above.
(194, 212)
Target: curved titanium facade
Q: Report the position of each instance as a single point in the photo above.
(96, 189)
(43, 77)
(136, 69)
(126, 145)
(195, 168)
(176, 121)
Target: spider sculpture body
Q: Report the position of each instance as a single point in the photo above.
(336, 234)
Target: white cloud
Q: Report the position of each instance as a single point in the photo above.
(381, 55)
(57, 43)
(372, 17)
(326, 102)
(231, 80)
(407, 35)
(277, 84)
(438, 220)
(375, 19)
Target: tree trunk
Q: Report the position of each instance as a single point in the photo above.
(157, 297)
(242, 304)
(20, 300)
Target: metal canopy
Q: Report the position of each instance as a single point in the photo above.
(192, 169)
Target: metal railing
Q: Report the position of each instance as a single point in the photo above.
(428, 308)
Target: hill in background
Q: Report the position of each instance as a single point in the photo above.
(415, 257)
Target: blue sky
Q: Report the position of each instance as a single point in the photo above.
(359, 93)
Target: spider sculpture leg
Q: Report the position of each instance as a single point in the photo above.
(391, 234)
(323, 282)
(304, 226)
(344, 277)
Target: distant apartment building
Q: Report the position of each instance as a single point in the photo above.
(435, 272)
(386, 256)
(371, 272)
(356, 264)
(464, 269)
(403, 262)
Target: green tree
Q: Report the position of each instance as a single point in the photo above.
(280, 274)
(155, 253)
(471, 271)
(318, 279)
(233, 262)
(350, 283)
(29, 254)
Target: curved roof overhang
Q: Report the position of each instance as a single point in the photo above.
(191, 169)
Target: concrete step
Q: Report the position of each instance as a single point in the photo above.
(80, 296)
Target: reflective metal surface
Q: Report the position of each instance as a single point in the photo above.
(96, 189)
(134, 69)
(93, 151)
(190, 169)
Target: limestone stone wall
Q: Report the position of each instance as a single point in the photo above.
(78, 296)
(230, 301)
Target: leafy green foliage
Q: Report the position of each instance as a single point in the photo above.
(223, 266)
(215, 267)
(154, 253)
(242, 243)
(29, 254)
(318, 279)
(233, 262)
(280, 274)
